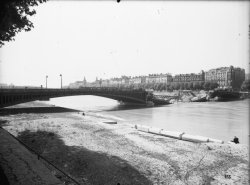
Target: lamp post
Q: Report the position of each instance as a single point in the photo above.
(46, 80)
(61, 80)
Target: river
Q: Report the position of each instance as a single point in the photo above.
(219, 120)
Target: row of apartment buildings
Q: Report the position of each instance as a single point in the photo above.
(225, 77)
(126, 80)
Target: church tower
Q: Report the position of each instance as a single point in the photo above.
(84, 82)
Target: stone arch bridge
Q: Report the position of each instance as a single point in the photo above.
(10, 97)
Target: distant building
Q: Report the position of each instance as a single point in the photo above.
(226, 76)
(84, 82)
(105, 83)
(247, 76)
(164, 78)
(135, 80)
(3, 85)
(96, 83)
(143, 79)
(159, 78)
(115, 81)
(192, 77)
(76, 84)
(151, 78)
(125, 80)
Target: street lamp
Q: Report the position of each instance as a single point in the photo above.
(46, 80)
(61, 80)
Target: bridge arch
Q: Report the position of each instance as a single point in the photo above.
(113, 97)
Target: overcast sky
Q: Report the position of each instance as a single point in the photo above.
(105, 39)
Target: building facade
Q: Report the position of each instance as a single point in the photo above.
(135, 80)
(159, 78)
(226, 77)
(125, 80)
(76, 84)
(247, 76)
(192, 77)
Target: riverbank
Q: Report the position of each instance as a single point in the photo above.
(184, 96)
(202, 95)
(97, 153)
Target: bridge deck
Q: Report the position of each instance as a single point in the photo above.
(15, 96)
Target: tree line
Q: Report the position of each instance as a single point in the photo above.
(173, 86)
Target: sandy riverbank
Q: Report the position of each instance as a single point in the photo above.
(97, 153)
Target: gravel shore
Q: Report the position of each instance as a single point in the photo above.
(93, 152)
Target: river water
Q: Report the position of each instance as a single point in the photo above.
(219, 120)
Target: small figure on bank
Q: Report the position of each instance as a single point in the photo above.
(236, 140)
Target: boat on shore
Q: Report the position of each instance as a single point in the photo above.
(160, 101)
(225, 95)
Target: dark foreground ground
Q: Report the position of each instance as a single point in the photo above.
(4, 179)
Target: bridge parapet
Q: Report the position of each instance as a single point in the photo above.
(10, 97)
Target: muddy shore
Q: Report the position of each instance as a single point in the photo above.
(93, 152)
